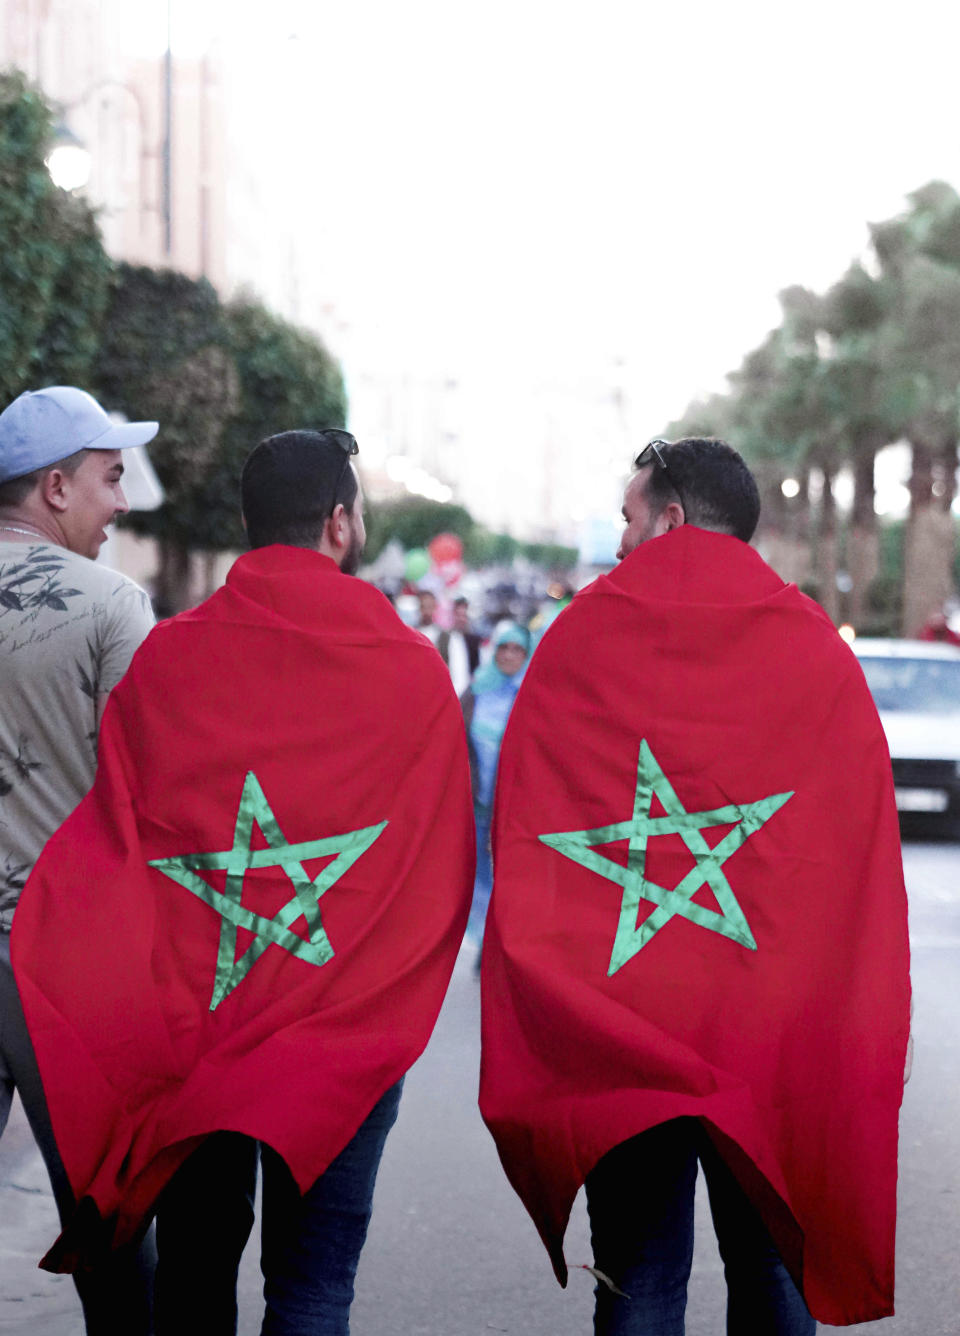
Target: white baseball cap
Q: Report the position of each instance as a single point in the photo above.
(42, 427)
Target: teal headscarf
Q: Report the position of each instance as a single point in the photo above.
(490, 676)
(494, 693)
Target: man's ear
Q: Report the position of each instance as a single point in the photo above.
(53, 488)
(337, 526)
(673, 513)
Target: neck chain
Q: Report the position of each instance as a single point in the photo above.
(31, 533)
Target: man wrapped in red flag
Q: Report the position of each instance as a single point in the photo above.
(697, 949)
(245, 932)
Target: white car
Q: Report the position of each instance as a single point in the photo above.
(916, 687)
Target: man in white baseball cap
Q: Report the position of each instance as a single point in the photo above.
(68, 629)
(68, 504)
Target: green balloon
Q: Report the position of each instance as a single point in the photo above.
(417, 564)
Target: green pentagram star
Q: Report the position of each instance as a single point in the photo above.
(241, 858)
(631, 937)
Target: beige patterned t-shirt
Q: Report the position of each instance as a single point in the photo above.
(68, 630)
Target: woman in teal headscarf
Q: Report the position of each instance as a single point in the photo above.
(487, 703)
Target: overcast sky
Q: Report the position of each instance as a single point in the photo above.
(559, 184)
(533, 186)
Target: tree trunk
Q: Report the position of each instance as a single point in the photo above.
(783, 537)
(947, 469)
(929, 540)
(173, 579)
(209, 573)
(863, 542)
(826, 551)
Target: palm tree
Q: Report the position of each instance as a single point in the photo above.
(870, 400)
(919, 254)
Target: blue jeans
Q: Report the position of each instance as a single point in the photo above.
(310, 1244)
(483, 883)
(640, 1200)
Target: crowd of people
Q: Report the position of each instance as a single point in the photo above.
(242, 849)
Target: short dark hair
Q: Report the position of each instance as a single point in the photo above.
(716, 488)
(16, 490)
(291, 484)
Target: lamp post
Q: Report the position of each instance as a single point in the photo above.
(68, 161)
(167, 144)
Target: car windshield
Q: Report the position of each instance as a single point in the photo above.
(927, 686)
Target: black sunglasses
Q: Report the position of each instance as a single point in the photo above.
(651, 454)
(348, 444)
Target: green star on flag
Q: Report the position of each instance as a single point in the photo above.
(652, 782)
(242, 857)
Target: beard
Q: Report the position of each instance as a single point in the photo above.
(351, 561)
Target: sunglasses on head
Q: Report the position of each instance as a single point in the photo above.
(651, 454)
(348, 444)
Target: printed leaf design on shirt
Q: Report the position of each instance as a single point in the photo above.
(89, 681)
(52, 595)
(33, 583)
(44, 559)
(14, 876)
(21, 765)
(9, 596)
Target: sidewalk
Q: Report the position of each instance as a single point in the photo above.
(31, 1301)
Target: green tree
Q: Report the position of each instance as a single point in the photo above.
(218, 380)
(777, 414)
(69, 344)
(286, 380)
(413, 521)
(780, 420)
(919, 254)
(871, 399)
(164, 356)
(877, 358)
(552, 556)
(54, 272)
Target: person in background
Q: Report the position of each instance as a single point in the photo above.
(559, 595)
(937, 628)
(460, 647)
(486, 708)
(426, 624)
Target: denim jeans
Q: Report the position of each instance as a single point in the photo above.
(640, 1200)
(483, 882)
(117, 1294)
(310, 1244)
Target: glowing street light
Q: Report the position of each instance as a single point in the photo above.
(790, 488)
(68, 162)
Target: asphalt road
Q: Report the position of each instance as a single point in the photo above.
(452, 1253)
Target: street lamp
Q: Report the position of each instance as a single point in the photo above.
(68, 161)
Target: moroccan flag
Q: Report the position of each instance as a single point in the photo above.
(699, 909)
(250, 922)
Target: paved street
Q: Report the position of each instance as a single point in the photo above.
(452, 1253)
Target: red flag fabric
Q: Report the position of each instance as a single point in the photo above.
(250, 922)
(699, 909)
